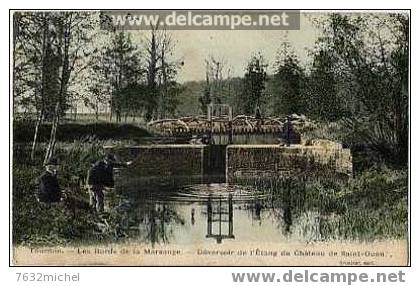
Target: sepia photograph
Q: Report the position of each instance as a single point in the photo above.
(210, 137)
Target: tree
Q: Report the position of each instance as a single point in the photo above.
(152, 70)
(288, 80)
(115, 65)
(121, 65)
(33, 65)
(205, 98)
(161, 71)
(372, 53)
(71, 35)
(214, 90)
(321, 89)
(168, 69)
(48, 47)
(99, 87)
(254, 84)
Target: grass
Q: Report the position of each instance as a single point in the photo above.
(371, 206)
(35, 224)
(23, 131)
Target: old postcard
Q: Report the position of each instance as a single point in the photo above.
(210, 137)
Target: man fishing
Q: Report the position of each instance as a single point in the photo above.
(101, 176)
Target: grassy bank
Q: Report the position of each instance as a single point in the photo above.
(35, 224)
(23, 131)
(373, 205)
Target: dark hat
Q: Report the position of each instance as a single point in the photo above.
(52, 161)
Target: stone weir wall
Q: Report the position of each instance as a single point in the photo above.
(240, 161)
(259, 161)
(162, 160)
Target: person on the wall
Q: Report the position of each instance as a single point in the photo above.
(288, 134)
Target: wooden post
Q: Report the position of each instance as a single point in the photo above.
(210, 119)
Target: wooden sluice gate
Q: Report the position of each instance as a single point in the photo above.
(221, 122)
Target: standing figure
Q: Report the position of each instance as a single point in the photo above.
(258, 118)
(287, 132)
(48, 188)
(101, 176)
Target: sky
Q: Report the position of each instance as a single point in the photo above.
(235, 48)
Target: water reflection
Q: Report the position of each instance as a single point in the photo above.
(199, 213)
(220, 218)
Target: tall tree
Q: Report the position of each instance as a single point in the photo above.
(161, 70)
(168, 69)
(32, 64)
(321, 89)
(152, 72)
(205, 98)
(71, 31)
(116, 66)
(288, 80)
(217, 79)
(372, 53)
(48, 46)
(254, 84)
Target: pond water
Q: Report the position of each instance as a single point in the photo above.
(208, 214)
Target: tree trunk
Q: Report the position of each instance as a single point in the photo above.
(97, 110)
(43, 82)
(37, 125)
(51, 143)
(63, 50)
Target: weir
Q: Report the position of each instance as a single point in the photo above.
(231, 163)
(235, 148)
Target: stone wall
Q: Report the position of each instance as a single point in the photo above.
(259, 161)
(162, 160)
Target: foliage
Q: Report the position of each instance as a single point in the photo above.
(38, 224)
(377, 67)
(48, 52)
(288, 80)
(321, 91)
(23, 130)
(254, 84)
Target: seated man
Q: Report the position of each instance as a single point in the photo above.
(48, 187)
(101, 176)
